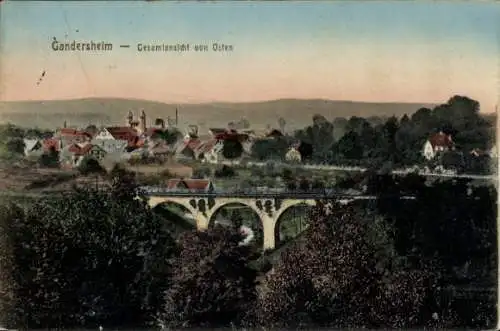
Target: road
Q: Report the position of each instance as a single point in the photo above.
(326, 167)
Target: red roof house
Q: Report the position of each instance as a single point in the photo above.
(51, 143)
(122, 133)
(190, 184)
(441, 141)
(74, 134)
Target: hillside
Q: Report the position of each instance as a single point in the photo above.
(298, 113)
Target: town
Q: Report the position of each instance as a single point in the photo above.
(266, 183)
(319, 165)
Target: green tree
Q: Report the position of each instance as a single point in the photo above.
(170, 135)
(330, 278)
(87, 258)
(232, 149)
(213, 286)
(270, 149)
(89, 165)
(15, 146)
(350, 146)
(50, 159)
(224, 172)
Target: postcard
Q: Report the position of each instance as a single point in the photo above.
(169, 165)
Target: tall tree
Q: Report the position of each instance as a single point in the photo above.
(330, 278)
(212, 283)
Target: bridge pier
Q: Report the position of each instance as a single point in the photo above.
(269, 226)
(202, 222)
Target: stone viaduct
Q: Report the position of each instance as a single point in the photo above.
(204, 209)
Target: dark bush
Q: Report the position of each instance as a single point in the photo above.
(213, 286)
(49, 159)
(346, 273)
(89, 165)
(86, 258)
(287, 174)
(225, 171)
(204, 172)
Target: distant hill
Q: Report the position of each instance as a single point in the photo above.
(297, 113)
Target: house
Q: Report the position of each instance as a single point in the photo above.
(188, 149)
(51, 144)
(93, 151)
(493, 151)
(32, 147)
(69, 136)
(247, 146)
(274, 133)
(66, 156)
(478, 152)
(117, 133)
(150, 133)
(437, 143)
(110, 145)
(214, 132)
(75, 153)
(293, 155)
(203, 185)
(159, 149)
(210, 151)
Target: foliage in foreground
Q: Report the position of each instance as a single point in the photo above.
(346, 273)
(212, 284)
(103, 257)
(83, 259)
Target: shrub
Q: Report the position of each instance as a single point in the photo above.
(287, 174)
(225, 171)
(202, 172)
(49, 159)
(257, 172)
(89, 165)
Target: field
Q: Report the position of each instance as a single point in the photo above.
(298, 113)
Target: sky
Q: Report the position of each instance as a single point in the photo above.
(361, 51)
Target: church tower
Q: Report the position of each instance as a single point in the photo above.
(143, 121)
(130, 118)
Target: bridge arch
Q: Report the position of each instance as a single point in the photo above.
(178, 209)
(165, 201)
(225, 212)
(284, 229)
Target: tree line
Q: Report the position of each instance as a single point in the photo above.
(374, 142)
(104, 257)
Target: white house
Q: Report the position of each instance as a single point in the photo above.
(103, 134)
(293, 155)
(494, 151)
(428, 150)
(211, 152)
(110, 145)
(32, 147)
(437, 143)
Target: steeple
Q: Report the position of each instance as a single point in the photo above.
(130, 118)
(143, 121)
